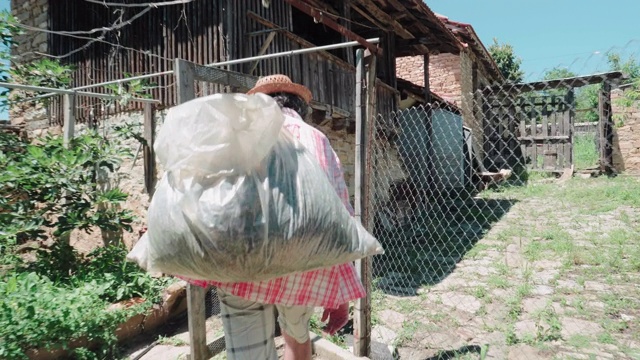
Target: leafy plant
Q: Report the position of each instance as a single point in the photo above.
(48, 185)
(36, 313)
(43, 72)
(508, 62)
(130, 89)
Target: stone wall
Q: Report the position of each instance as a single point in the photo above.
(344, 145)
(32, 13)
(626, 141)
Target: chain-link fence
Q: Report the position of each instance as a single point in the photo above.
(501, 239)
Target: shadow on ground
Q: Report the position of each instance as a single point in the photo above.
(428, 246)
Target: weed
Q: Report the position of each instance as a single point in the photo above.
(498, 281)
(407, 333)
(579, 341)
(510, 335)
(173, 341)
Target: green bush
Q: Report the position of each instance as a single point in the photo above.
(36, 313)
(63, 295)
(48, 185)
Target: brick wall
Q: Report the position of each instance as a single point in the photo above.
(626, 141)
(444, 74)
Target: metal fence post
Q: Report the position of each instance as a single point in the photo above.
(69, 118)
(365, 114)
(185, 78)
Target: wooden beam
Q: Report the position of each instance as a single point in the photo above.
(345, 21)
(427, 79)
(184, 72)
(148, 153)
(319, 17)
(369, 17)
(263, 50)
(570, 83)
(386, 18)
(197, 327)
(302, 42)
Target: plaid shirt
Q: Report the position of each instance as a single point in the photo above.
(329, 287)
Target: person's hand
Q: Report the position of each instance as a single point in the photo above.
(338, 318)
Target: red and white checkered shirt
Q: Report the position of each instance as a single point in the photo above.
(328, 287)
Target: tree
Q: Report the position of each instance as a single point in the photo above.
(508, 62)
(630, 66)
(558, 73)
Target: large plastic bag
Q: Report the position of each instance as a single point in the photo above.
(221, 133)
(281, 217)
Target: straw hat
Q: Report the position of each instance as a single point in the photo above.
(280, 83)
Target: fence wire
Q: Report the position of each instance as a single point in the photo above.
(499, 240)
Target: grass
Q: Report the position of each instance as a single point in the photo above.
(584, 150)
(588, 228)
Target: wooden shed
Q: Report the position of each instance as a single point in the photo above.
(108, 42)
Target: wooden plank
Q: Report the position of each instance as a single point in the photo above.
(563, 160)
(568, 130)
(148, 153)
(185, 77)
(69, 118)
(295, 38)
(262, 51)
(534, 132)
(197, 317)
(545, 133)
(521, 116)
(426, 78)
(542, 139)
(558, 83)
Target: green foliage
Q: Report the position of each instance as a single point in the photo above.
(558, 73)
(37, 313)
(130, 89)
(41, 72)
(506, 59)
(629, 66)
(51, 186)
(48, 185)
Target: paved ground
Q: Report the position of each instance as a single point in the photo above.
(176, 345)
(557, 277)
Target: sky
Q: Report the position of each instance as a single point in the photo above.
(575, 34)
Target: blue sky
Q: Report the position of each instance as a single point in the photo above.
(548, 33)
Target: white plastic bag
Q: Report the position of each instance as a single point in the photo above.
(281, 217)
(221, 133)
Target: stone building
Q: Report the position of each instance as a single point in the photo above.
(456, 77)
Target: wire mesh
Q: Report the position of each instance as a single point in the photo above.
(499, 242)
